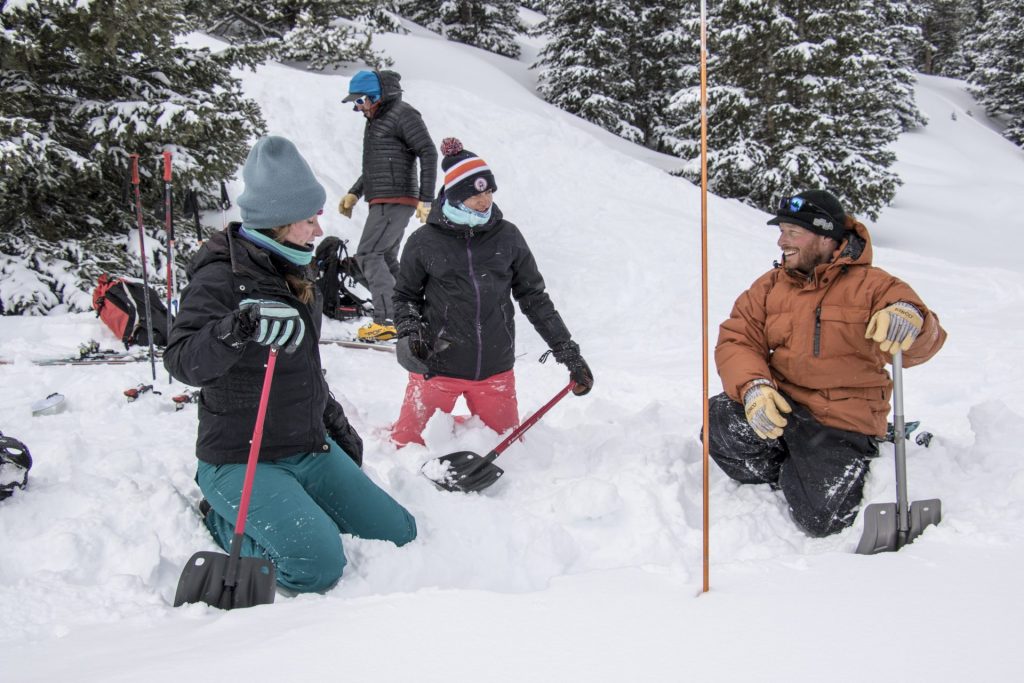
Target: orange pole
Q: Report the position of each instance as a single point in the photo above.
(704, 269)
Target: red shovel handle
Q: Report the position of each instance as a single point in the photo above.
(257, 438)
(532, 420)
(167, 167)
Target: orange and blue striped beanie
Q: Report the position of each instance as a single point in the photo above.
(465, 174)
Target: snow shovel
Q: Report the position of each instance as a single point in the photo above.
(233, 581)
(466, 471)
(890, 526)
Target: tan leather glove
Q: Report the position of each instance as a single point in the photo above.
(422, 211)
(895, 327)
(346, 204)
(764, 407)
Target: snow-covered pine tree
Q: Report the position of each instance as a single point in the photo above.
(945, 26)
(798, 98)
(897, 39)
(584, 67)
(997, 79)
(491, 25)
(659, 48)
(322, 33)
(85, 84)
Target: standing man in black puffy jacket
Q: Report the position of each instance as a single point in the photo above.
(394, 137)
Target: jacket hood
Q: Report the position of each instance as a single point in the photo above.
(854, 250)
(390, 88)
(245, 257)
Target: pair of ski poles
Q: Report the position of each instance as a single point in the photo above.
(169, 227)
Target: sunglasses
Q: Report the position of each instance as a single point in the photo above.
(360, 101)
(798, 204)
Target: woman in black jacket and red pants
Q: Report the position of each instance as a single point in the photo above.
(453, 305)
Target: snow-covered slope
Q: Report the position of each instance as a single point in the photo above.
(584, 563)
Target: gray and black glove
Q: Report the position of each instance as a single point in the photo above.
(341, 430)
(568, 354)
(267, 322)
(413, 331)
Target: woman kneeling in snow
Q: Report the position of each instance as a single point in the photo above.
(453, 308)
(250, 287)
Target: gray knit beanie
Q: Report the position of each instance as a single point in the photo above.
(280, 187)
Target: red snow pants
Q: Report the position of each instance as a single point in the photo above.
(493, 400)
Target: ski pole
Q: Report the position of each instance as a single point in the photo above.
(169, 228)
(225, 203)
(142, 250)
(192, 209)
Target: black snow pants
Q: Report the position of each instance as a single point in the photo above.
(820, 470)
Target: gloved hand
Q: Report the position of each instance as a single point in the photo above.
(346, 204)
(414, 332)
(764, 407)
(895, 327)
(267, 322)
(341, 430)
(568, 354)
(422, 211)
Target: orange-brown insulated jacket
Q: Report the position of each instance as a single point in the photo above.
(806, 334)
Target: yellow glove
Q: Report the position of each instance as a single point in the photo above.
(764, 407)
(422, 211)
(346, 204)
(895, 327)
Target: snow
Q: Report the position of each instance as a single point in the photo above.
(584, 562)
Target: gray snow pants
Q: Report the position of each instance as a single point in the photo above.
(820, 470)
(377, 255)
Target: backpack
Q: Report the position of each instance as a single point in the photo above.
(338, 272)
(15, 462)
(121, 304)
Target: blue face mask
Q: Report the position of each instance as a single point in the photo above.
(292, 254)
(460, 214)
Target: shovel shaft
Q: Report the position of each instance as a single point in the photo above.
(254, 447)
(900, 442)
(529, 422)
(231, 572)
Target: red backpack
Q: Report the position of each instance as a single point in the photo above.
(120, 303)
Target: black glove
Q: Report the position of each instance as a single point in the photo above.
(339, 429)
(413, 330)
(568, 354)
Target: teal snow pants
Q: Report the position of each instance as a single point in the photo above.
(299, 507)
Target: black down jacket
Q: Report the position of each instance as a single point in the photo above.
(392, 140)
(458, 280)
(226, 270)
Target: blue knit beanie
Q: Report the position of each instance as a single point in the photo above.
(363, 83)
(280, 188)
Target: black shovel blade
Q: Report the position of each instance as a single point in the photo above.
(881, 525)
(464, 472)
(202, 580)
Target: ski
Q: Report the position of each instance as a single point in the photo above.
(386, 346)
(90, 353)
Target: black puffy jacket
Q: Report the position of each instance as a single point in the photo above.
(392, 140)
(459, 281)
(226, 270)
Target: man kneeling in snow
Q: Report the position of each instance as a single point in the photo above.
(802, 360)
